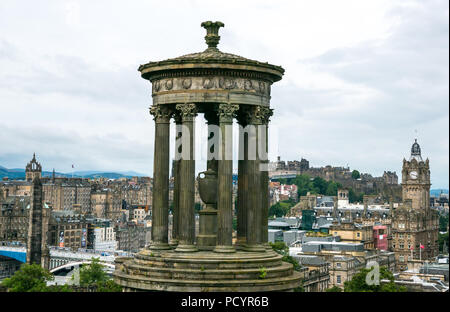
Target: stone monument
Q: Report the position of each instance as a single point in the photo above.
(223, 87)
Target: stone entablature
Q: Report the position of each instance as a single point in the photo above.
(215, 89)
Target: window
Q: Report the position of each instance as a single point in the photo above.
(401, 258)
(402, 246)
(358, 234)
(338, 265)
(338, 279)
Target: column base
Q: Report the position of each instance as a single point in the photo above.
(267, 246)
(224, 249)
(159, 246)
(186, 248)
(240, 243)
(173, 243)
(254, 248)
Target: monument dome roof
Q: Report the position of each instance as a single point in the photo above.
(211, 58)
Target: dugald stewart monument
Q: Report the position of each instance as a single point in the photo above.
(223, 87)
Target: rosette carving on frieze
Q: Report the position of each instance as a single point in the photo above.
(187, 111)
(227, 112)
(169, 84)
(157, 85)
(186, 83)
(161, 113)
(208, 83)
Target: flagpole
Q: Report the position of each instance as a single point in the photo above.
(420, 250)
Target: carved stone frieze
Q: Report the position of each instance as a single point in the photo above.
(251, 86)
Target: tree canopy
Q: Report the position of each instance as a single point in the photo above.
(334, 289)
(29, 278)
(358, 282)
(281, 208)
(356, 174)
(34, 278)
(93, 275)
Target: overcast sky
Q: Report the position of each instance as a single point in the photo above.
(361, 77)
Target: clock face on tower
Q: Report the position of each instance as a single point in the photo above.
(413, 175)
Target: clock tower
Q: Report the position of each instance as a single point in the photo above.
(416, 180)
(415, 224)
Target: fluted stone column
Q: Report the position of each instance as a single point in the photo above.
(264, 168)
(224, 244)
(160, 205)
(254, 210)
(176, 186)
(242, 193)
(186, 230)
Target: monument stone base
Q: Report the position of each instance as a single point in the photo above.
(206, 271)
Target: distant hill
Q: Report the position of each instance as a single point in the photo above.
(19, 174)
(437, 192)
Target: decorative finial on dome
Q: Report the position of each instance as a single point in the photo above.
(212, 33)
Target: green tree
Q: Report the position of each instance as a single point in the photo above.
(358, 282)
(354, 197)
(443, 223)
(332, 188)
(279, 247)
(441, 239)
(356, 174)
(303, 183)
(29, 278)
(281, 208)
(283, 249)
(320, 185)
(334, 289)
(93, 275)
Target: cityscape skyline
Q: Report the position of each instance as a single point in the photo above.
(350, 95)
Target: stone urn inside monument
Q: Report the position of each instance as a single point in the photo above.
(207, 188)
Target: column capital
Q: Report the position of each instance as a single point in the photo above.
(187, 111)
(161, 113)
(227, 112)
(255, 115)
(265, 113)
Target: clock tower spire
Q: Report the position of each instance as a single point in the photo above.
(416, 179)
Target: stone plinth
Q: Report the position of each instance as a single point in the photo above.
(206, 271)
